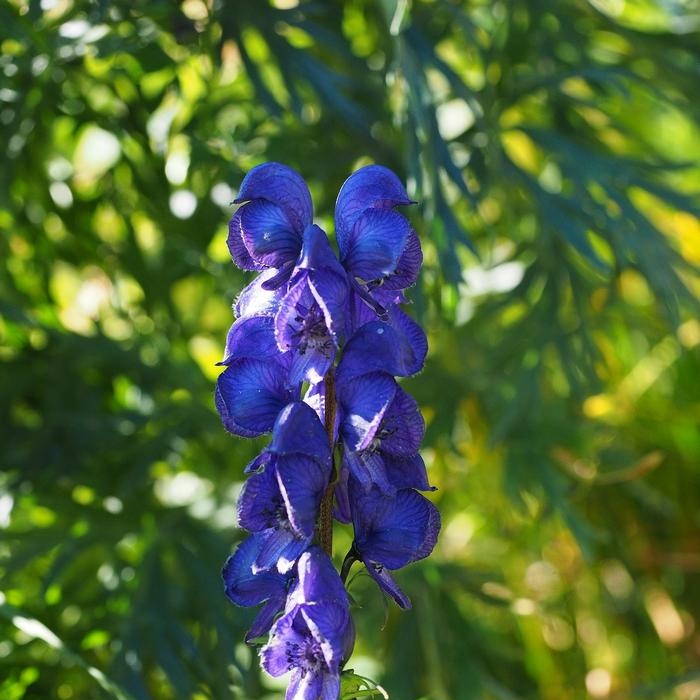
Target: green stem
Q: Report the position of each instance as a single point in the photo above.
(349, 560)
(325, 524)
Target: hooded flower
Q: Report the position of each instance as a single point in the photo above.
(304, 307)
(311, 314)
(254, 387)
(379, 422)
(397, 347)
(267, 229)
(315, 635)
(378, 247)
(245, 588)
(281, 499)
(391, 532)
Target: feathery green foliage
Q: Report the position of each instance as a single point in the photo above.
(553, 149)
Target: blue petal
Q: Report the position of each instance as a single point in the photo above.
(267, 234)
(375, 244)
(413, 337)
(397, 348)
(328, 623)
(330, 689)
(263, 621)
(316, 252)
(257, 464)
(280, 548)
(403, 427)
(363, 402)
(256, 299)
(305, 685)
(299, 430)
(284, 187)
(302, 328)
(302, 482)
(408, 266)
(245, 588)
(249, 396)
(260, 503)
(371, 187)
(367, 467)
(331, 293)
(273, 656)
(407, 472)
(252, 337)
(394, 531)
(315, 397)
(318, 580)
(387, 584)
(311, 366)
(236, 246)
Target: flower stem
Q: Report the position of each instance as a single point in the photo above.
(325, 525)
(349, 560)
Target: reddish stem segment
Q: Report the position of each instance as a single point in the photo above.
(325, 521)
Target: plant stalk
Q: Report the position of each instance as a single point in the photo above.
(325, 521)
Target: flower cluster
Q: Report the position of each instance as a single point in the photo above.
(313, 358)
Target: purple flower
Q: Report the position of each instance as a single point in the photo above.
(377, 245)
(397, 347)
(315, 635)
(267, 230)
(311, 314)
(245, 588)
(254, 387)
(391, 532)
(304, 308)
(380, 422)
(280, 500)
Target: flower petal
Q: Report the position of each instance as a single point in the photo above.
(371, 187)
(397, 348)
(302, 482)
(408, 266)
(305, 686)
(375, 244)
(256, 299)
(236, 246)
(245, 588)
(394, 531)
(273, 656)
(249, 396)
(386, 582)
(263, 620)
(318, 580)
(281, 548)
(328, 623)
(252, 337)
(299, 430)
(260, 504)
(403, 426)
(363, 402)
(284, 187)
(367, 467)
(301, 328)
(267, 234)
(407, 472)
(330, 686)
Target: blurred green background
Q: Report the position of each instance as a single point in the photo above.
(554, 149)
